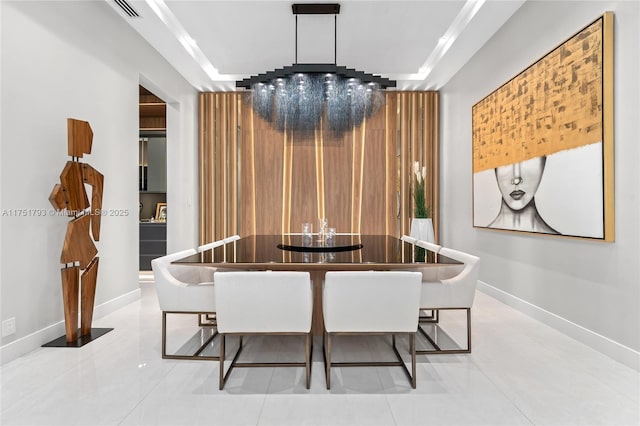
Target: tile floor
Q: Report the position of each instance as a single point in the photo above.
(520, 372)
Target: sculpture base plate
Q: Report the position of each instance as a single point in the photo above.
(61, 342)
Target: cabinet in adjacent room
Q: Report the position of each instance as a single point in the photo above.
(153, 243)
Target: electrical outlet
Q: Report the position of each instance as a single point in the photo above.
(8, 327)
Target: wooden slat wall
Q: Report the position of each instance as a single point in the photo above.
(218, 165)
(417, 121)
(267, 181)
(431, 155)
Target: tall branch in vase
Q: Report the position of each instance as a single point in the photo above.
(421, 210)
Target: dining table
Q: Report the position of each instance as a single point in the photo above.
(317, 254)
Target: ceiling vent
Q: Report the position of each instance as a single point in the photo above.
(127, 8)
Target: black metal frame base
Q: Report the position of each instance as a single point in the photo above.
(437, 349)
(61, 342)
(234, 364)
(433, 318)
(205, 319)
(326, 352)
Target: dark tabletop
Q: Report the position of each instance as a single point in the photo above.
(355, 252)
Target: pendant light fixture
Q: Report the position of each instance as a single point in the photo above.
(304, 97)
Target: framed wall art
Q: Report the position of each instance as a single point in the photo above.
(161, 212)
(543, 143)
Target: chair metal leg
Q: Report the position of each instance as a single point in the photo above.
(206, 320)
(412, 375)
(235, 364)
(412, 349)
(434, 318)
(164, 334)
(224, 376)
(194, 356)
(308, 359)
(438, 350)
(221, 362)
(469, 329)
(326, 351)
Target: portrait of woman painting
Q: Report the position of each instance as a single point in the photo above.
(543, 144)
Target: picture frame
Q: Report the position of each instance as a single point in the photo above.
(543, 143)
(161, 212)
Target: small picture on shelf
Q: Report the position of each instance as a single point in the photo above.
(161, 212)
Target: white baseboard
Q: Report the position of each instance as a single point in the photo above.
(611, 348)
(33, 341)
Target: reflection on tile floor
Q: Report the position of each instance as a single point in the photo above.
(520, 372)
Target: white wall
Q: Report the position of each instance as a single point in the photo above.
(79, 59)
(589, 285)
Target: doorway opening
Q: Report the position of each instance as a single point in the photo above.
(152, 177)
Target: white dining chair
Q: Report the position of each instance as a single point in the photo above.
(371, 302)
(211, 245)
(184, 289)
(435, 248)
(230, 240)
(451, 293)
(219, 243)
(408, 239)
(208, 251)
(263, 303)
(411, 241)
(430, 272)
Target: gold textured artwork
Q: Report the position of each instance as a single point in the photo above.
(553, 105)
(557, 111)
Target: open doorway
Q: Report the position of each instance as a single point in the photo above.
(152, 177)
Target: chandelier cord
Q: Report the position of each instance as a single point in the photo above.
(335, 39)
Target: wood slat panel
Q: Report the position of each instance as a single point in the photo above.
(338, 162)
(360, 179)
(392, 224)
(374, 208)
(268, 170)
(304, 182)
(406, 209)
(432, 144)
(206, 150)
(287, 180)
(218, 163)
(232, 196)
(319, 171)
(359, 145)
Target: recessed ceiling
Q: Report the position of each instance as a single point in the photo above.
(420, 44)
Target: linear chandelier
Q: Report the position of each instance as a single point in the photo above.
(303, 97)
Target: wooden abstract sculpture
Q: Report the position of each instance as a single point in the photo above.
(79, 251)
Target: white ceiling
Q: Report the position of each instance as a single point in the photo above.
(420, 44)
